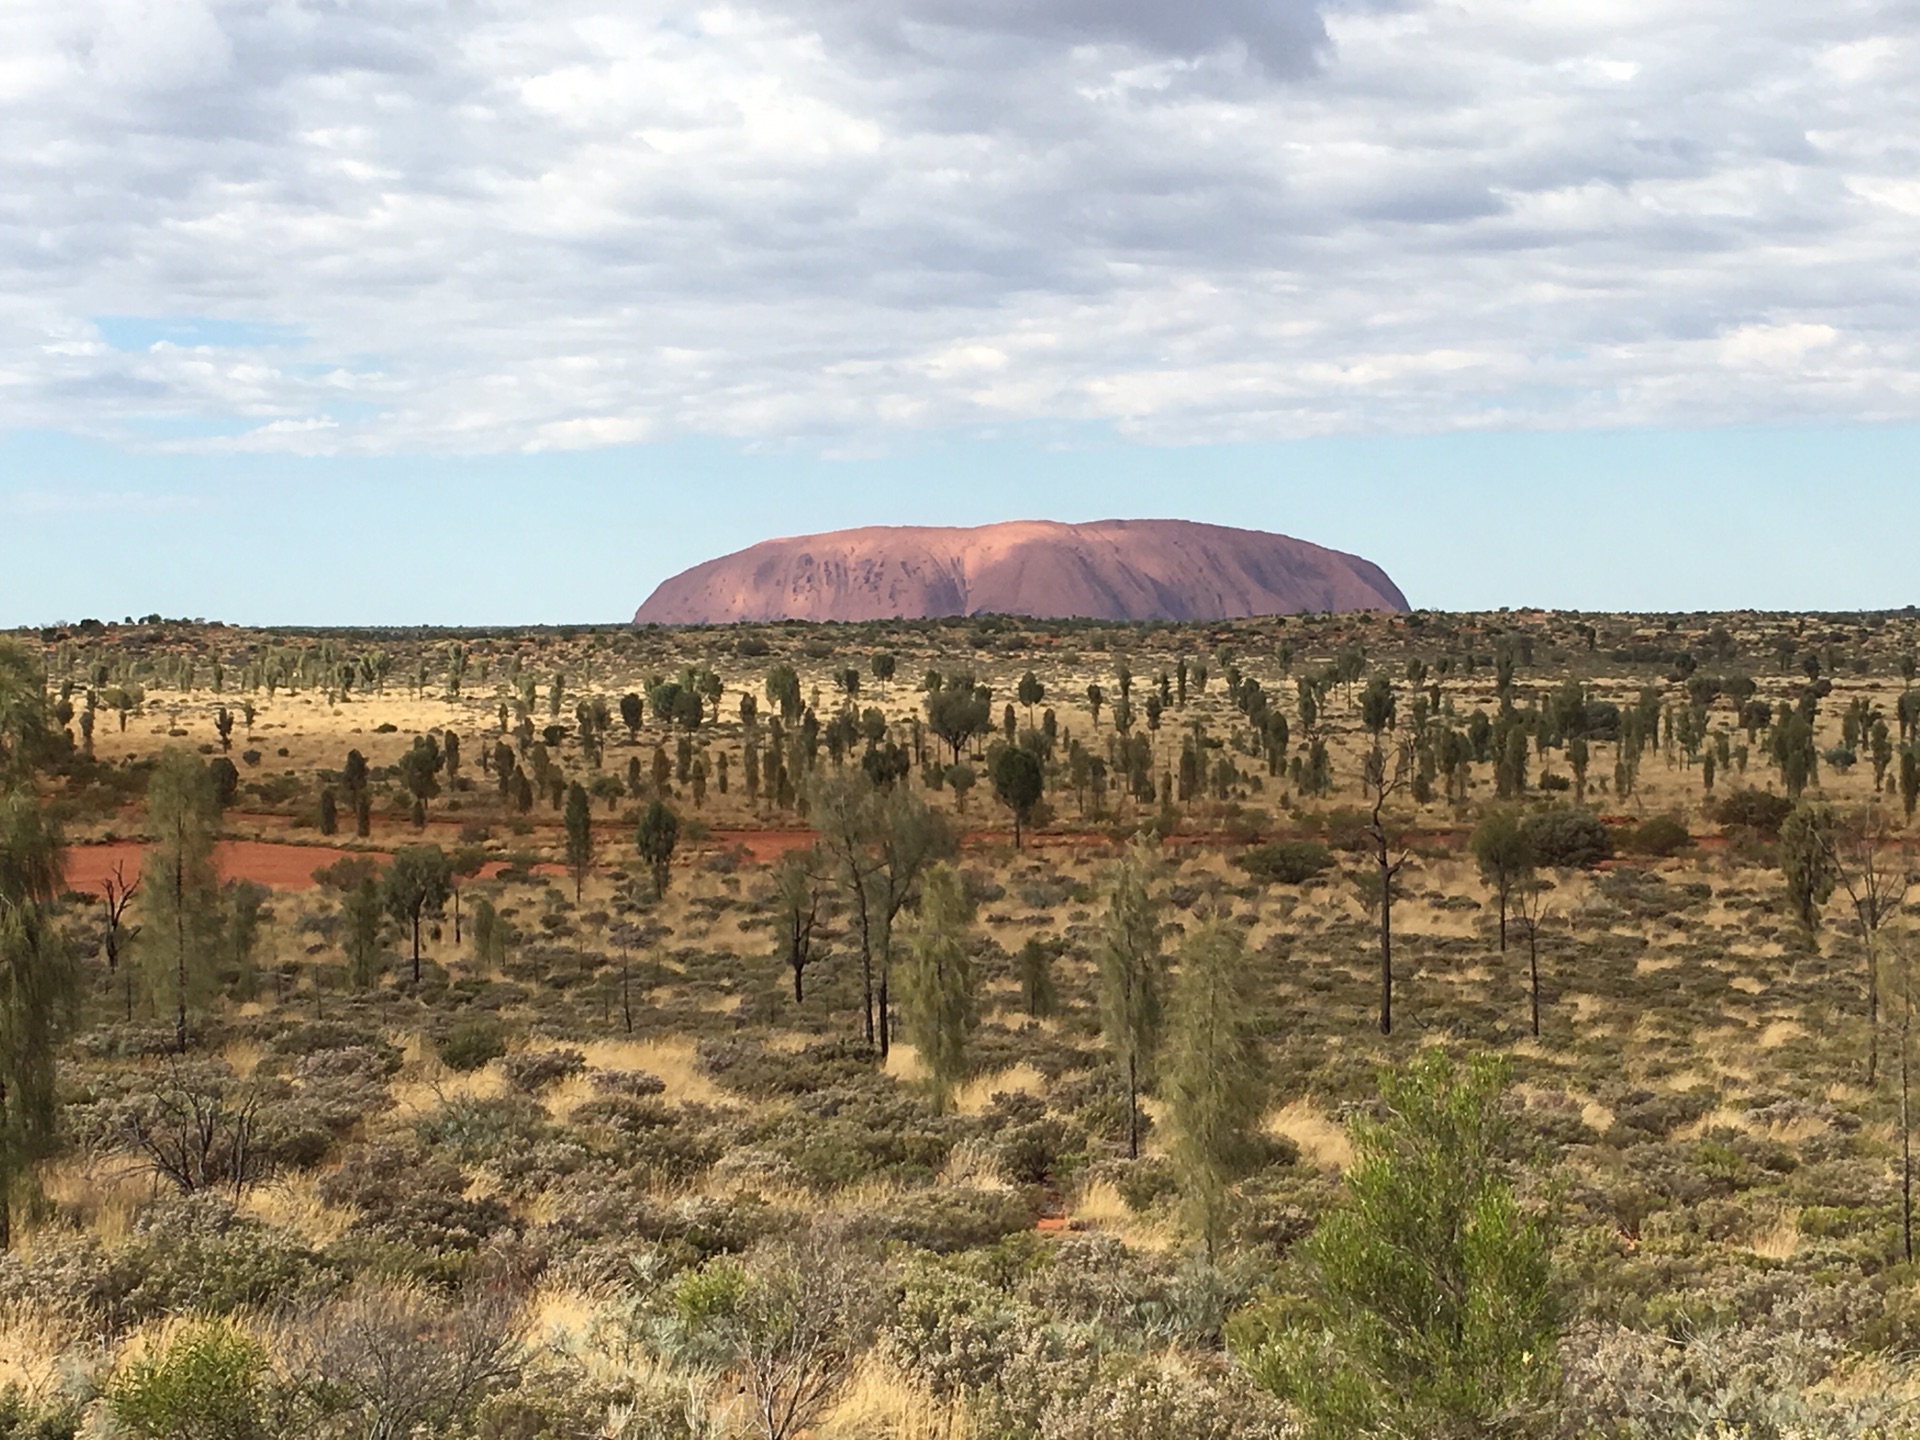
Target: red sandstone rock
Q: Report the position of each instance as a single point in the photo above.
(1105, 570)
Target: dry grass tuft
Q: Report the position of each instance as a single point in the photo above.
(1321, 1140)
(292, 1202)
(880, 1404)
(672, 1060)
(1099, 1205)
(33, 1342)
(977, 1094)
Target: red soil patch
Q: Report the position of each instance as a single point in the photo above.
(279, 867)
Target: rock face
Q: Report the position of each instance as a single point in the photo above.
(1105, 570)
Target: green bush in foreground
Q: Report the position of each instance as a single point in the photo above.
(1427, 1305)
(209, 1384)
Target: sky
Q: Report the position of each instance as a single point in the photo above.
(498, 311)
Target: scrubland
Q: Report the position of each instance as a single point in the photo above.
(592, 1167)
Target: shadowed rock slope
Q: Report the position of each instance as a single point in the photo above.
(1104, 570)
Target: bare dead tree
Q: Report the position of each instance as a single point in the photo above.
(809, 1315)
(800, 888)
(118, 892)
(401, 1362)
(1384, 787)
(196, 1128)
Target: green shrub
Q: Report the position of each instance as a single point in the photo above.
(1660, 836)
(1286, 862)
(472, 1043)
(209, 1384)
(24, 1419)
(1568, 839)
(1756, 810)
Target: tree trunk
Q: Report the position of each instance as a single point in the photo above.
(1533, 974)
(180, 949)
(1133, 1110)
(416, 947)
(626, 992)
(1386, 951)
(1873, 1009)
(1906, 1123)
(886, 1026)
(1503, 919)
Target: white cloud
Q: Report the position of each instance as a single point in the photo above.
(516, 226)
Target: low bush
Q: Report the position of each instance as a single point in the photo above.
(1286, 862)
(1568, 839)
(472, 1043)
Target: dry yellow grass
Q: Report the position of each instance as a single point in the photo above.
(977, 1094)
(1100, 1207)
(33, 1342)
(1779, 1032)
(293, 1202)
(903, 1063)
(879, 1404)
(1321, 1141)
(671, 1060)
(101, 1196)
(1778, 1241)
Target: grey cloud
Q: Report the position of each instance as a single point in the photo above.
(507, 224)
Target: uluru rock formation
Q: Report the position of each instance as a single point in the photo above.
(1104, 570)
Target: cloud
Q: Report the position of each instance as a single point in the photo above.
(525, 226)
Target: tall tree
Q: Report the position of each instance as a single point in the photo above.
(937, 996)
(1387, 868)
(1131, 980)
(37, 986)
(579, 824)
(1807, 862)
(182, 889)
(1215, 1082)
(883, 839)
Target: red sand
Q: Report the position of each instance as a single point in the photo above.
(281, 867)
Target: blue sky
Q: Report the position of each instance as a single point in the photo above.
(1646, 519)
(315, 311)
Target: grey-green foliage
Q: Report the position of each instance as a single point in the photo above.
(1130, 979)
(179, 889)
(1426, 1304)
(1215, 1084)
(1807, 862)
(937, 997)
(37, 994)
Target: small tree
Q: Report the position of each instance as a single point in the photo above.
(1215, 1082)
(579, 826)
(1030, 693)
(417, 884)
(419, 769)
(1807, 862)
(659, 833)
(936, 983)
(1130, 979)
(1018, 782)
(799, 890)
(1429, 1306)
(1034, 967)
(1504, 852)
